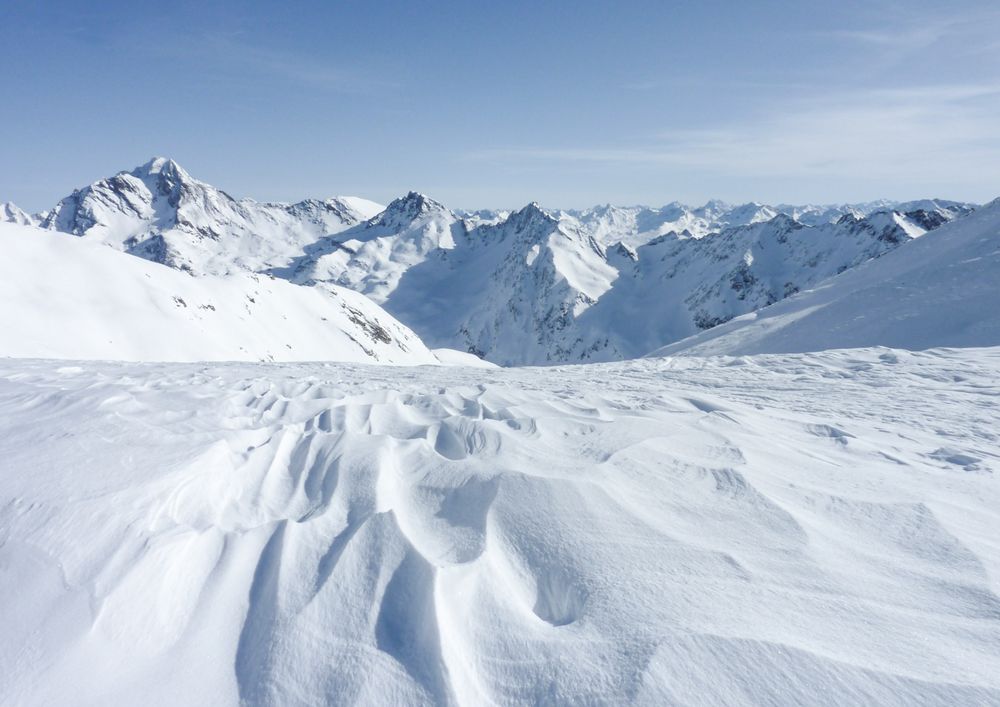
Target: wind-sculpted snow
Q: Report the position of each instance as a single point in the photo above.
(766, 530)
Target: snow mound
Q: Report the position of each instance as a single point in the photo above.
(689, 531)
(451, 357)
(65, 297)
(938, 290)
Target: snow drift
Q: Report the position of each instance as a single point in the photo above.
(664, 531)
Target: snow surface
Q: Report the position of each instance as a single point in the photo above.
(451, 357)
(66, 297)
(940, 290)
(801, 529)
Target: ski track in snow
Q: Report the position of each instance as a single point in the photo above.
(785, 529)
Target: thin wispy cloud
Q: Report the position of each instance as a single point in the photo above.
(229, 53)
(904, 32)
(945, 132)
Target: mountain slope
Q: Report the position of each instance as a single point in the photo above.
(939, 290)
(657, 532)
(505, 290)
(159, 212)
(69, 298)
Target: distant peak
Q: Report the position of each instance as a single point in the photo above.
(161, 166)
(530, 214)
(533, 209)
(421, 200)
(409, 207)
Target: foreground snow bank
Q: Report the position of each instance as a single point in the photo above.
(65, 297)
(783, 529)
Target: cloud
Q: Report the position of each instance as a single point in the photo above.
(931, 133)
(227, 53)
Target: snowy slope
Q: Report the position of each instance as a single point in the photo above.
(664, 531)
(160, 212)
(65, 297)
(940, 290)
(676, 287)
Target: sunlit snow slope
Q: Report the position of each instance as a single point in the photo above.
(813, 529)
(942, 289)
(65, 297)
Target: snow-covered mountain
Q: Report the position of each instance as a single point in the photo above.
(636, 225)
(10, 213)
(159, 212)
(541, 287)
(940, 290)
(69, 298)
(504, 290)
(532, 286)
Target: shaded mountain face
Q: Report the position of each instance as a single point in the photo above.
(939, 291)
(532, 286)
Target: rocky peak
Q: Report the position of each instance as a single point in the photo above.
(403, 211)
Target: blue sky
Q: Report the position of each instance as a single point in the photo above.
(497, 104)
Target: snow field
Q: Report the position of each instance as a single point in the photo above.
(757, 530)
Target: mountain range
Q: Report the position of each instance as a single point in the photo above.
(528, 286)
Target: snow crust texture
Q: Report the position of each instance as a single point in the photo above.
(770, 530)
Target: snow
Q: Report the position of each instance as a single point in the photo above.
(781, 529)
(539, 287)
(210, 496)
(65, 297)
(531, 286)
(160, 212)
(451, 357)
(939, 290)
(11, 213)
